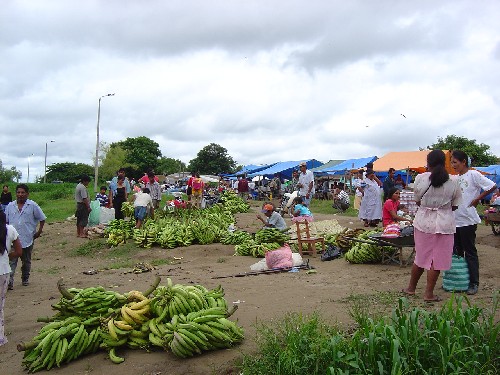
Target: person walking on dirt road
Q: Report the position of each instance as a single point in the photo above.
(24, 215)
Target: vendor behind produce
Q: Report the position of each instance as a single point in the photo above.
(391, 207)
(274, 219)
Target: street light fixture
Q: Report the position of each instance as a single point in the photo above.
(96, 163)
(28, 179)
(45, 165)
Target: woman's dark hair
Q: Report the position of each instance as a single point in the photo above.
(435, 161)
(460, 156)
(392, 190)
(298, 200)
(3, 232)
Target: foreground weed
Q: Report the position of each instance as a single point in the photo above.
(89, 248)
(295, 345)
(458, 339)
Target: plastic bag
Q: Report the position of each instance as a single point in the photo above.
(457, 277)
(261, 265)
(95, 213)
(332, 252)
(107, 214)
(279, 258)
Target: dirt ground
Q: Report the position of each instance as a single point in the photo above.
(261, 298)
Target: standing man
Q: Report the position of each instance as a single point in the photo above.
(275, 186)
(243, 187)
(306, 184)
(114, 184)
(389, 183)
(24, 215)
(82, 206)
(154, 190)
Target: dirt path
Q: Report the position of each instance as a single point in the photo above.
(261, 298)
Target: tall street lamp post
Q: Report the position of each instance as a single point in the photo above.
(28, 179)
(96, 163)
(45, 165)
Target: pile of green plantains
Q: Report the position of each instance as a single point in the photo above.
(184, 319)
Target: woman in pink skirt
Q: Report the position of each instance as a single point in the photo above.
(437, 197)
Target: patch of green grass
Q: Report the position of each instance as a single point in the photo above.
(89, 248)
(51, 271)
(460, 338)
(221, 260)
(325, 207)
(374, 306)
(162, 261)
(122, 251)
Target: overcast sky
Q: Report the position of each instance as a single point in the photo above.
(268, 80)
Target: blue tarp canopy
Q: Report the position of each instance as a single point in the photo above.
(345, 166)
(285, 168)
(493, 173)
(250, 168)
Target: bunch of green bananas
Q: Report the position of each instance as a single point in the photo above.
(209, 329)
(183, 234)
(128, 209)
(269, 235)
(204, 232)
(88, 302)
(233, 203)
(116, 237)
(252, 248)
(363, 253)
(145, 237)
(167, 238)
(119, 231)
(62, 341)
(235, 238)
(124, 225)
(128, 327)
(175, 299)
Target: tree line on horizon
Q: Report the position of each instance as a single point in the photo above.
(141, 154)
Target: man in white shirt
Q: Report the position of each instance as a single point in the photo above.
(142, 200)
(306, 184)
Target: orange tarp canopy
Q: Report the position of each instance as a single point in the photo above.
(413, 160)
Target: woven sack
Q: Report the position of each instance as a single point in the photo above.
(457, 277)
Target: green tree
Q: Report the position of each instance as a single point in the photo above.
(10, 174)
(114, 160)
(479, 153)
(68, 172)
(142, 153)
(168, 166)
(212, 159)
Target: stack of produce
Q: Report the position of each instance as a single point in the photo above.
(361, 252)
(265, 240)
(235, 238)
(252, 248)
(233, 203)
(128, 209)
(119, 231)
(184, 228)
(60, 342)
(270, 235)
(186, 319)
